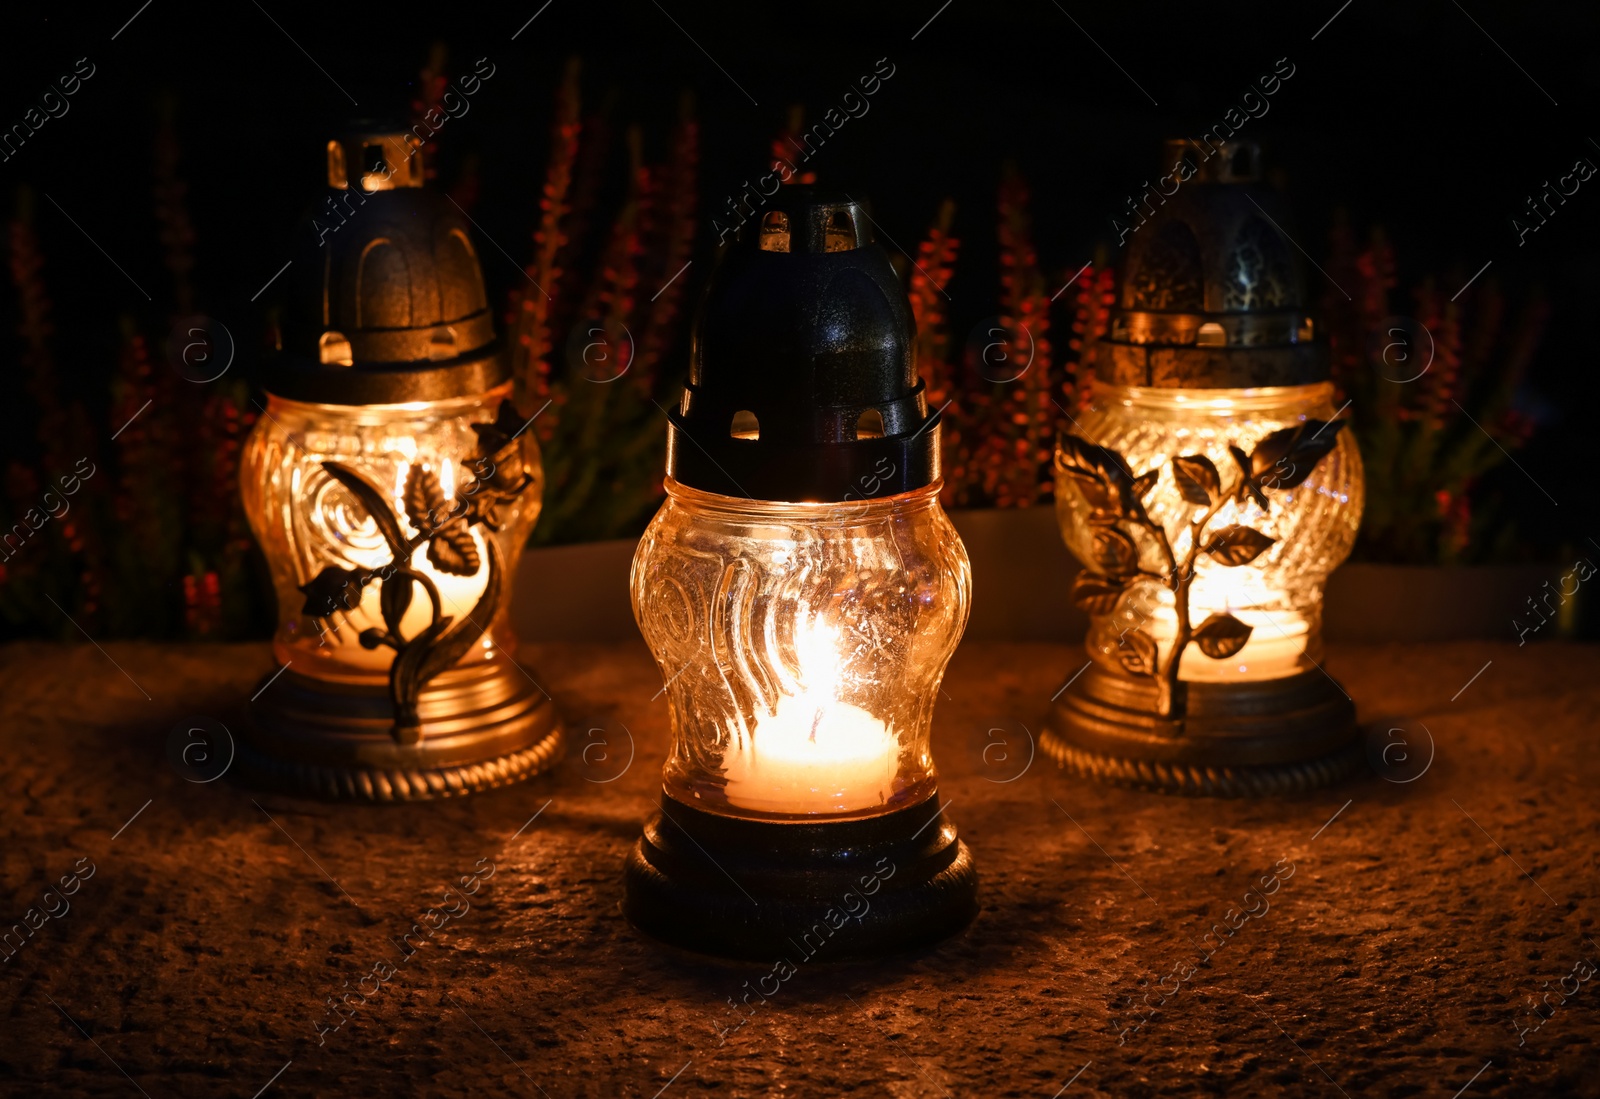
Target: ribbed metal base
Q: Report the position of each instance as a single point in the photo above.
(766, 890)
(1279, 736)
(483, 725)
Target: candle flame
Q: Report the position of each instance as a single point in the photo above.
(813, 750)
(816, 650)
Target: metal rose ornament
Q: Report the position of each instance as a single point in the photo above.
(1209, 490)
(392, 483)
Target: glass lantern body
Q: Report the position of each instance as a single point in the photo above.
(802, 645)
(1279, 594)
(306, 521)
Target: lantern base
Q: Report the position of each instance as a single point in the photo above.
(765, 890)
(1250, 739)
(483, 725)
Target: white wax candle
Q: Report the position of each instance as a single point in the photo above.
(816, 754)
(1277, 642)
(813, 756)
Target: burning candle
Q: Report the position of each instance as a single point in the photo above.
(391, 485)
(816, 753)
(1209, 489)
(802, 590)
(1277, 643)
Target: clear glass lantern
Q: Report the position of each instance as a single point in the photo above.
(802, 646)
(391, 483)
(1209, 490)
(1278, 594)
(801, 590)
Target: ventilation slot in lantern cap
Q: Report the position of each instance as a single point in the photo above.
(775, 231)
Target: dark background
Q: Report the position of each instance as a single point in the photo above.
(1405, 116)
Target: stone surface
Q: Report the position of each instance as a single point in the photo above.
(1396, 957)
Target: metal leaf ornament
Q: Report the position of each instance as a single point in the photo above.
(1096, 594)
(1236, 545)
(1115, 553)
(500, 471)
(1222, 635)
(1197, 479)
(1137, 652)
(1101, 473)
(394, 599)
(1285, 458)
(333, 589)
(373, 502)
(450, 544)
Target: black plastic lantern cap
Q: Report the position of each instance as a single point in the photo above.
(802, 380)
(386, 301)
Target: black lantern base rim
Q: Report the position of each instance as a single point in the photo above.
(802, 892)
(1260, 739)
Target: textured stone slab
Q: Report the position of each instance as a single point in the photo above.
(1392, 956)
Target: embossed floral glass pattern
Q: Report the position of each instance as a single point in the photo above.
(802, 645)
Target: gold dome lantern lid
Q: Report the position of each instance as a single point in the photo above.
(1213, 294)
(386, 301)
